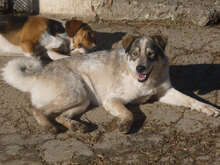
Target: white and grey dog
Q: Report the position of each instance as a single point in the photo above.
(109, 78)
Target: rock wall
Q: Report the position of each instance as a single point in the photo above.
(197, 12)
(67, 8)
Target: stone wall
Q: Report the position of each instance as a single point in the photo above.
(67, 8)
(197, 12)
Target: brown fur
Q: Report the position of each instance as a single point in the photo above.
(84, 36)
(29, 32)
(32, 32)
(127, 42)
(161, 40)
(29, 35)
(72, 27)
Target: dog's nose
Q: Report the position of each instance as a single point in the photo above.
(140, 68)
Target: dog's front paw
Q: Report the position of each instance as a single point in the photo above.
(209, 110)
(78, 127)
(124, 126)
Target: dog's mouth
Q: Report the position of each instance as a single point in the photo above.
(144, 77)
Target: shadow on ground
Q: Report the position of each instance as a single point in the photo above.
(106, 40)
(203, 78)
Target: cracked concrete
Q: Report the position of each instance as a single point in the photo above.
(196, 12)
(161, 134)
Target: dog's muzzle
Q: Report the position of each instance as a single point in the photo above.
(142, 76)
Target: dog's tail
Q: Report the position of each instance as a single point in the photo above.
(21, 73)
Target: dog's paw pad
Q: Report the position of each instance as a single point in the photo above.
(78, 127)
(124, 127)
(74, 128)
(81, 128)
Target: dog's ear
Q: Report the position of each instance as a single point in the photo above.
(161, 41)
(127, 42)
(72, 27)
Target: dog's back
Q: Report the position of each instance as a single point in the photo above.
(11, 23)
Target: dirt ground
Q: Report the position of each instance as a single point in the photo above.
(161, 134)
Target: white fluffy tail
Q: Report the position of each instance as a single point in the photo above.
(21, 73)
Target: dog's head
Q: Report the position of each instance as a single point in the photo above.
(144, 53)
(82, 38)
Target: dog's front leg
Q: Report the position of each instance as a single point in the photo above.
(116, 108)
(175, 97)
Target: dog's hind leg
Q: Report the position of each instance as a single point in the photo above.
(43, 120)
(66, 117)
(175, 97)
(116, 108)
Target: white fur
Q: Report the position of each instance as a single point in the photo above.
(175, 97)
(143, 42)
(80, 50)
(43, 89)
(72, 47)
(28, 54)
(6, 46)
(49, 41)
(92, 94)
(56, 56)
(12, 73)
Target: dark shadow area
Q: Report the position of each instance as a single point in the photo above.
(90, 127)
(106, 40)
(203, 78)
(139, 118)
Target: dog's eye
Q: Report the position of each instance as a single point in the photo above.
(150, 54)
(90, 35)
(134, 54)
(80, 45)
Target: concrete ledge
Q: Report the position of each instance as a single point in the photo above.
(197, 12)
(67, 8)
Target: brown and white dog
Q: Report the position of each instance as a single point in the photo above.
(37, 36)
